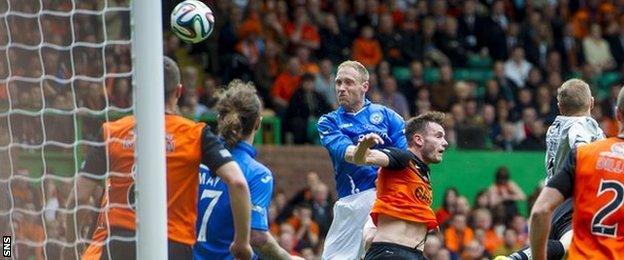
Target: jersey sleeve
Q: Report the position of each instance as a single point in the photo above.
(214, 155)
(260, 190)
(95, 163)
(397, 158)
(578, 135)
(332, 138)
(563, 180)
(396, 129)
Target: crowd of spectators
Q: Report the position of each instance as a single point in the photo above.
(417, 53)
(494, 66)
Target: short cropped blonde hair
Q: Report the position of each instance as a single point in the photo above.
(574, 96)
(357, 66)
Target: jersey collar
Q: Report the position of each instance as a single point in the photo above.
(367, 103)
(423, 168)
(247, 148)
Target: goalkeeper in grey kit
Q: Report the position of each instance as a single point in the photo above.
(572, 128)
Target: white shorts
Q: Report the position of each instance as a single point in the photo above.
(344, 238)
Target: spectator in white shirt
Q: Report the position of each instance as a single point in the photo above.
(597, 52)
(517, 67)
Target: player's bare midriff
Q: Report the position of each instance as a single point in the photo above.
(400, 232)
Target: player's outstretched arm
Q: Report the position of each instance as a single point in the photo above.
(362, 154)
(233, 177)
(539, 228)
(264, 244)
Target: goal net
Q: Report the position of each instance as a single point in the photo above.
(65, 69)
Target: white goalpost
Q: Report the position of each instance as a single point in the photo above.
(150, 148)
(67, 67)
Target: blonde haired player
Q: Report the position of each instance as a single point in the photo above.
(340, 132)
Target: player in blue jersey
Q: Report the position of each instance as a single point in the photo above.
(239, 110)
(340, 132)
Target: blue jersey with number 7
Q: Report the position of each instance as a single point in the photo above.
(215, 225)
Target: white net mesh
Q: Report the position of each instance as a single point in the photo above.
(65, 68)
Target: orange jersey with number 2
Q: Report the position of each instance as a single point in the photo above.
(598, 218)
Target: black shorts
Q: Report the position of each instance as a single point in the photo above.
(119, 247)
(390, 251)
(561, 221)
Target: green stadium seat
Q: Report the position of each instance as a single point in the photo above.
(572, 74)
(431, 75)
(401, 73)
(480, 76)
(479, 62)
(272, 130)
(461, 74)
(604, 81)
(312, 131)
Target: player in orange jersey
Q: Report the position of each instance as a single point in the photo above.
(188, 144)
(402, 211)
(94, 250)
(593, 175)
